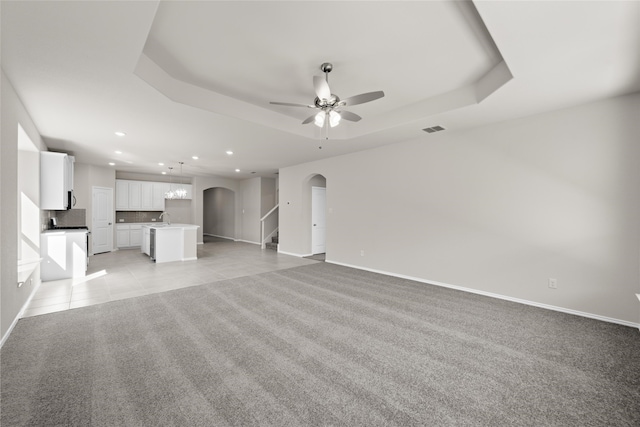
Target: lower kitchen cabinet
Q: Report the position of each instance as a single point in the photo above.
(64, 254)
(135, 236)
(129, 235)
(122, 236)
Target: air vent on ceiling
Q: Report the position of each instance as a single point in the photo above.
(433, 129)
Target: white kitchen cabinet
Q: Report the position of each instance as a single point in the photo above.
(64, 254)
(135, 202)
(146, 196)
(140, 195)
(56, 181)
(135, 235)
(123, 233)
(122, 195)
(153, 195)
(159, 189)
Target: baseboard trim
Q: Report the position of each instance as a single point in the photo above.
(20, 313)
(247, 241)
(292, 254)
(494, 295)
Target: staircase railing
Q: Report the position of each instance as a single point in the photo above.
(268, 225)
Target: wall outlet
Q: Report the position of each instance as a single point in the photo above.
(553, 283)
(362, 252)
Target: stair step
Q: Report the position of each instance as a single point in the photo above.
(271, 245)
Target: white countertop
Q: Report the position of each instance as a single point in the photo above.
(171, 226)
(73, 230)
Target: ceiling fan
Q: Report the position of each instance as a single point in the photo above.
(331, 105)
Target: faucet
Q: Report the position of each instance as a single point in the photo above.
(167, 214)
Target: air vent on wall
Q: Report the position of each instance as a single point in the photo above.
(433, 129)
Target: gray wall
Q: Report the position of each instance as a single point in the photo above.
(200, 184)
(219, 212)
(12, 298)
(499, 209)
(85, 177)
(250, 210)
(135, 176)
(267, 195)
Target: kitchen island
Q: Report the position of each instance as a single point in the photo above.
(170, 242)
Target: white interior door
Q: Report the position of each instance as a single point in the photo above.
(102, 222)
(318, 220)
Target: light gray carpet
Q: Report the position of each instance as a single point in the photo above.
(319, 345)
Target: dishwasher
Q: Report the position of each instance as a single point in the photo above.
(152, 244)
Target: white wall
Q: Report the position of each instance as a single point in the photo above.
(12, 298)
(28, 230)
(499, 209)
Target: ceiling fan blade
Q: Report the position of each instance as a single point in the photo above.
(362, 98)
(289, 104)
(348, 115)
(309, 119)
(322, 87)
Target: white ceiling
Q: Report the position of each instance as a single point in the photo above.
(196, 78)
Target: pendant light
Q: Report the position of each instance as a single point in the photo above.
(170, 194)
(181, 193)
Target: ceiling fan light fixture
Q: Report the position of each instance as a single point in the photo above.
(326, 102)
(334, 118)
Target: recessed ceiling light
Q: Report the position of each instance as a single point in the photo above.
(118, 152)
(230, 153)
(164, 173)
(237, 170)
(160, 164)
(111, 164)
(194, 157)
(120, 133)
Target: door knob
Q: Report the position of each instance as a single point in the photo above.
(109, 224)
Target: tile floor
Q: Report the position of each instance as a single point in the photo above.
(129, 273)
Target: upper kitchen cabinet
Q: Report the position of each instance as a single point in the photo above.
(122, 195)
(152, 196)
(140, 195)
(56, 181)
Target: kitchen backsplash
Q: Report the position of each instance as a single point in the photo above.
(72, 217)
(137, 216)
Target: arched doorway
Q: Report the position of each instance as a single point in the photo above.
(218, 214)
